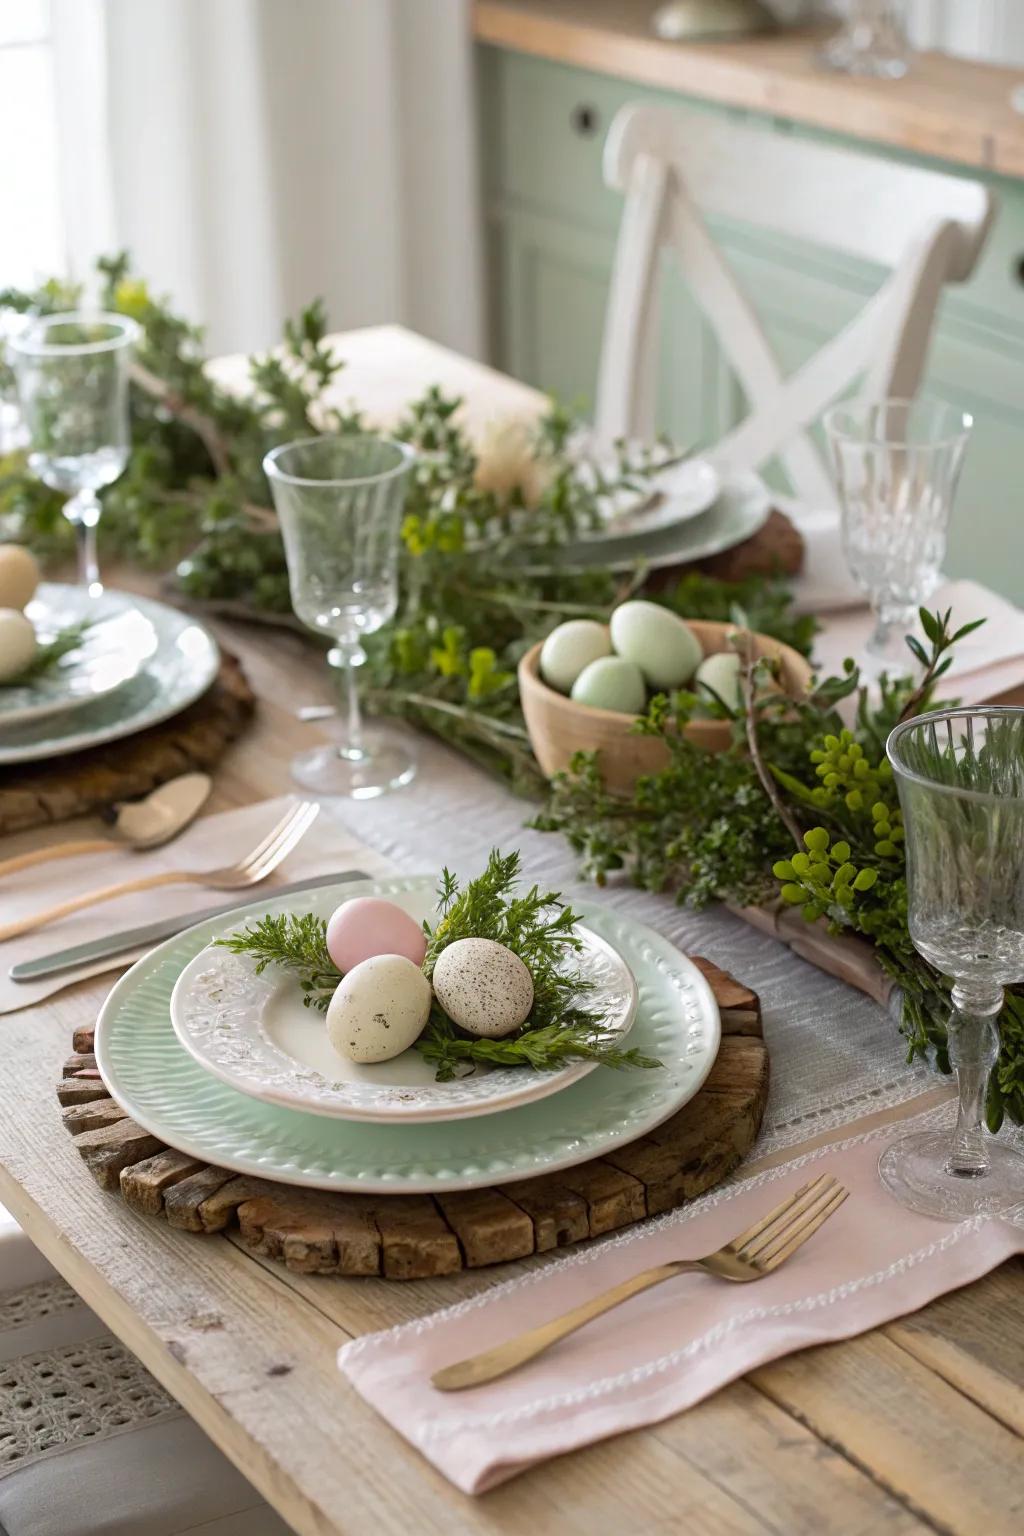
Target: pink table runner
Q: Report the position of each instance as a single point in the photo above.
(665, 1350)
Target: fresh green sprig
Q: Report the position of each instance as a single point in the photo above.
(49, 655)
(296, 942)
(553, 1045)
(541, 930)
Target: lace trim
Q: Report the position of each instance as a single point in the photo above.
(833, 1114)
(62, 1397)
(20, 1308)
(678, 1217)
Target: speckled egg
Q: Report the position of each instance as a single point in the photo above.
(483, 987)
(379, 1010)
(720, 673)
(17, 643)
(570, 648)
(369, 925)
(611, 683)
(19, 576)
(660, 643)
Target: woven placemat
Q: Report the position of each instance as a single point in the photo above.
(82, 782)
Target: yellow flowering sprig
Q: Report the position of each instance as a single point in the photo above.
(823, 881)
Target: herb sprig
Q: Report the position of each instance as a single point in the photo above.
(49, 655)
(296, 942)
(541, 930)
(537, 926)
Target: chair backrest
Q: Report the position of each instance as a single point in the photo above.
(674, 167)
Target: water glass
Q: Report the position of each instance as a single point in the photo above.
(72, 377)
(897, 463)
(960, 775)
(872, 40)
(339, 501)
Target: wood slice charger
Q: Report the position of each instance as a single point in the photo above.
(81, 782)
(410, 1237)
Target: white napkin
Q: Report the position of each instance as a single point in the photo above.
(208, 843)
(824, 583)
(986, 664)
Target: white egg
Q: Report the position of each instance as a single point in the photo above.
(661, 644)
(611, 683)
(570, 648)
(380, 1009)
(720, 673)
(483, 987)
(17, 643)
(19, 576)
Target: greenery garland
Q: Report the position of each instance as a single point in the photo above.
(802, 808)
(194, 497)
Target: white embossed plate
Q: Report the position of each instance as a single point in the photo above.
(662, 498)
(152, 1076)
(181, 667)
(254, 1032)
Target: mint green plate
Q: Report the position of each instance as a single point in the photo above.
(158, 1083)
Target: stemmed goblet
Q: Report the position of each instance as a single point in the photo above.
(960, 776)
(897, 463)
(72, 377)
(339, 501)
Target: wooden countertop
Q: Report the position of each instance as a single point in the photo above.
(950, 108)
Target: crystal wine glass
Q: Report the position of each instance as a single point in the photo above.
(72, 375)
(897, 463)
(872, 40)
(339, 502)
(960, 775)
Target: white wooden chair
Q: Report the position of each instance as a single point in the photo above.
(673, 167)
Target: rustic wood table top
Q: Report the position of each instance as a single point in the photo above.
(915, 1427)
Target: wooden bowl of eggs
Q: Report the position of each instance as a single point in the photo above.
(583, 688)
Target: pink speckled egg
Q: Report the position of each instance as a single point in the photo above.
(368, 926)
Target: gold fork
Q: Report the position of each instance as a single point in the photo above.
(753, 1254)
(250, 870)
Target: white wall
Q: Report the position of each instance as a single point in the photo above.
(977, 29)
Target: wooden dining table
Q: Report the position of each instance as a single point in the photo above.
(915, 1427)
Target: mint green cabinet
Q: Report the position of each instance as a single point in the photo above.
(551, 230)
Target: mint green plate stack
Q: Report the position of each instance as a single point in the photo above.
(173, 1095)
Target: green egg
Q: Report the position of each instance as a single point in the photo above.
(720, 673)
(611, 683)
(656, 640)
(570, 648)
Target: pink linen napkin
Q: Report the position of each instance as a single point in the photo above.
(672, 1346)
(207, 843)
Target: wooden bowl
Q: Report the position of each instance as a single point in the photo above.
(559, 727)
